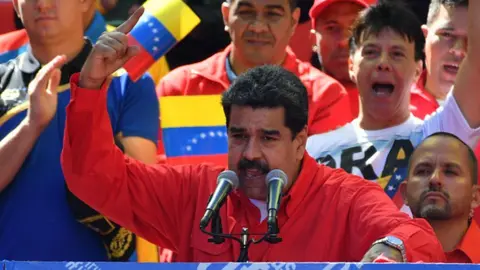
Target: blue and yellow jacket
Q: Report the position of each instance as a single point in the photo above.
(36, 222)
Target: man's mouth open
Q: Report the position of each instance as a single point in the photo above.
(383, 89)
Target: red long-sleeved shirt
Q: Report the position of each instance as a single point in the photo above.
(328, 215)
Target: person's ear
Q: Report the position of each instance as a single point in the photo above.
(403, 191)
(351, 69)
(226, 14)
(295, 20)
(425, 30)
(475, 197)
(86, 5)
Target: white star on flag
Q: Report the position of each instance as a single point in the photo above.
(390, 188)
(398, 177)
(155, 30)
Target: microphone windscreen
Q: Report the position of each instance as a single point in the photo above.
(277, 174)
(231, 176)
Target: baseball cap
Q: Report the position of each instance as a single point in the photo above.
(320, 5)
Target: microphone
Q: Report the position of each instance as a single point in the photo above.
(276, 181)
(226, 182)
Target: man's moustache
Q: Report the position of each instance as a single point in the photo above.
(434, 189)
(246, 164)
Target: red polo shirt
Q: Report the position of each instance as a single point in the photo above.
(468, 250)
(328, 215)
(422, 103)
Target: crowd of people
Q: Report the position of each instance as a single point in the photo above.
(377, 133)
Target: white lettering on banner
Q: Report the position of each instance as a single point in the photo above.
(82, 266)
(346, 266)
(203, 266)
(281, 266)
(247, 266)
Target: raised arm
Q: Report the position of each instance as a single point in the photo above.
(147, 199)
(466, 90)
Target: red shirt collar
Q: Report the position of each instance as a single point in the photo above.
(470, 244)
(214, 67)
(419, 88)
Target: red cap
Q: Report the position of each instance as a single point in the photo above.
(320, 5)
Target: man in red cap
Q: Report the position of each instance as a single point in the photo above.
(331, 21)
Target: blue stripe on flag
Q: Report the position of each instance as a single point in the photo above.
(193, 141)
(9, 55)
(153, 36)
(394, 183)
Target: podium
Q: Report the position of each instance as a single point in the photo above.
(9, 265)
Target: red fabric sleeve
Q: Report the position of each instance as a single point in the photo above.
(151, 201)
(373, 216)
(330, 107)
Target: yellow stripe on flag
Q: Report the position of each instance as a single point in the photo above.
(175, 15)
(146, 251)
(191, 111)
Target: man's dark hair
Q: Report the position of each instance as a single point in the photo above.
(292, 3)
(435, 5)
(471, 155)
(388, 15)
(270, 86)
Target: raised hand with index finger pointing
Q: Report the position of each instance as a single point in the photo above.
(109, 54)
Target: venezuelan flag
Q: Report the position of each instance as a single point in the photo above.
(13, 44)
(163, 24)
(193, 129)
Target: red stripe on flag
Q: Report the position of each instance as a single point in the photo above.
(220, 160)
(140, 63)
(13, 40)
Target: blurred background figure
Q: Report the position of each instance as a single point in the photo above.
(331, 22)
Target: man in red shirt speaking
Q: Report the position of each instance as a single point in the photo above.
(324, 215)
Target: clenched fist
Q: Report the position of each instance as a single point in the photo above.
(42, 93)
(109, 54)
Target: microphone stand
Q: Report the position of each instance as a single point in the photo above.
(218, 237)
(216, 229)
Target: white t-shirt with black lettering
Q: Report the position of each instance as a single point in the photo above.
(382, 155)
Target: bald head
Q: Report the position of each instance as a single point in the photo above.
(441, 182)
(436, 139)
